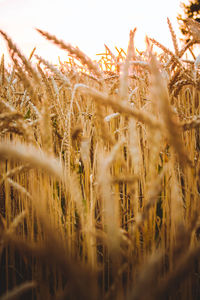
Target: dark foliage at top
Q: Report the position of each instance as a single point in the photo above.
(192, 10)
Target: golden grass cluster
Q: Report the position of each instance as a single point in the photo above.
(99, 174)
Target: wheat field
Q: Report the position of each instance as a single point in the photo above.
(99, 173)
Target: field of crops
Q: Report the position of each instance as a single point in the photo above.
(100, 173)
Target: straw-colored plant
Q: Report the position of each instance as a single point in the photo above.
(99, 174)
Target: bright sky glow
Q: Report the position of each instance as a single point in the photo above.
(87, 24)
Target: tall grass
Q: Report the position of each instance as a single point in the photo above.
(99, 174)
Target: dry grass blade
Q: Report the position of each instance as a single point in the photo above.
(19, 291)
(26, 81)
(45, 83)
(111, 210)
(54, 70)
(14, 50)
(32, 53)
(125, 67)
(182, 51)
(103, 99)
(32, 156)
(161, 98)
(112, 55)
(75, 52)
(167, 51)
(19, 188)
(174, 39)
(16, 171)
(152, 198)
(185, 47)
(17, 220)
(2, 70)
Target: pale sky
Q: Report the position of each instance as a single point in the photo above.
(87, 24)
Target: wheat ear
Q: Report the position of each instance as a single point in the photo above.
(73, 51)
(14, 50)
(103, 99)
(174, 39)
(33, 156)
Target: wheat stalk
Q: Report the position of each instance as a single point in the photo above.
(75, 52)
(19, 291)
(103, 99)
(32, 156)
(174, 39)
(14, 50)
